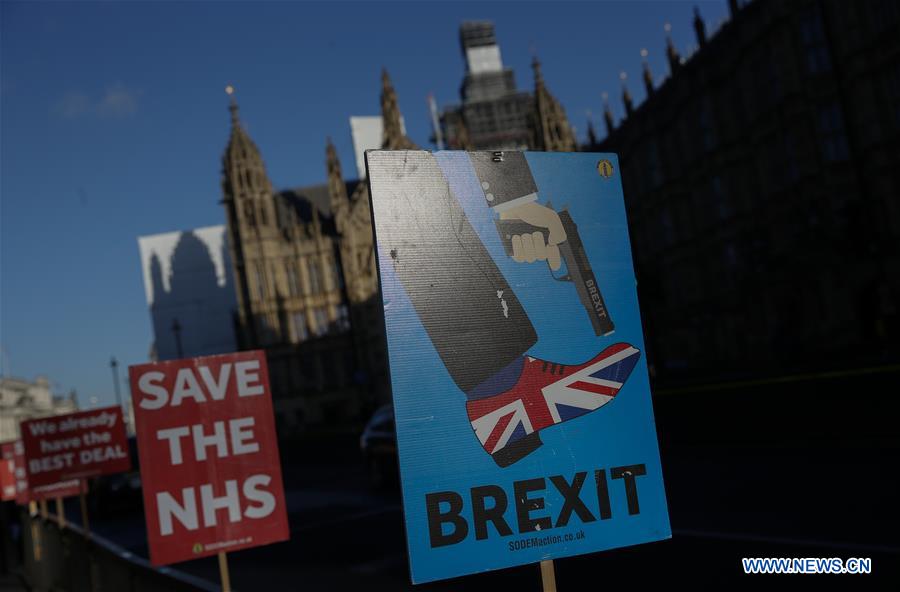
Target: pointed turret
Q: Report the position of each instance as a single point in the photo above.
(337, 189)
(244, 176)
(248, 199)
(699, 28)
(591, 134)
(462, 141)
(648, 76)
(607, 115)
(671, 52)
(393, 136)
(626, 96)
(551, 130)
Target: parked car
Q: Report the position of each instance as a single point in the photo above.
(119, 493)
(378, 444)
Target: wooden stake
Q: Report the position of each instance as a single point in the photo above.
(32, 508)
(35, 540)
(60, 512)
(223, 572)
(548, 576)
(82, 500)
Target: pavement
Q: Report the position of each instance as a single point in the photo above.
(11, 582)
(762, 471)
(726, 502)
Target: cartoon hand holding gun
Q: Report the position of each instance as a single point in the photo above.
(531, 247)
(533, 232)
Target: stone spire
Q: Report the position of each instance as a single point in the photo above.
(591, 134)
(337, 189)
(463, 140)
(244, 177)
(648, 76)
(249, 207)
(607, 115)
(671, 52)
(551, 130)
(626, 96)
(240, 147)
(699, 28)
(394, 138)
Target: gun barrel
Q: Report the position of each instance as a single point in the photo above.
(572, 251)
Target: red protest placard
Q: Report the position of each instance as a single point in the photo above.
(22, 493)
(75, 445)
(7, 472)
(209, 456)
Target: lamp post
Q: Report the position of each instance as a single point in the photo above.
(114, 364)
(176, 329)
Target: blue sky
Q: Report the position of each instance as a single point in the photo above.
(113, 120)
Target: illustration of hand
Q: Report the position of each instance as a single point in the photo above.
(531, 247)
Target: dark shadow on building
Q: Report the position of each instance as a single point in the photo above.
(193, 317)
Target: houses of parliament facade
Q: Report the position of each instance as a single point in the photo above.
(305, 273)
(761, 179)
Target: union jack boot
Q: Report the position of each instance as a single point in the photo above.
(509, 409)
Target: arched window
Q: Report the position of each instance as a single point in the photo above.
(293, 278)
(315, 275)
(249, 214)
(260, 282)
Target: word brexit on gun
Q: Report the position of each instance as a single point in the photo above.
(74, 446)
(209, 456)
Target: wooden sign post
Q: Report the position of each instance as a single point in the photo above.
(101, 448)
(548, 576)
(60, 512)
(82, 501)
(223, 572)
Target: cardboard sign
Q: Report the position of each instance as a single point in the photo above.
(75, 445)
(521, 396)
(7, 472)
(14, 454)
(209, 456)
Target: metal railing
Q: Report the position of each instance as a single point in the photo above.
(61, 557)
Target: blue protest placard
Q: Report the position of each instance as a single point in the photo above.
(521, 396)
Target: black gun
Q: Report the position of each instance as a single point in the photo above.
(578, 268)
(506, 177)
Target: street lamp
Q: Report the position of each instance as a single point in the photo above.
(114, 364)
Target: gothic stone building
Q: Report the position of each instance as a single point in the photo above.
(305, 271)
(306, 281)
(762, 181)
